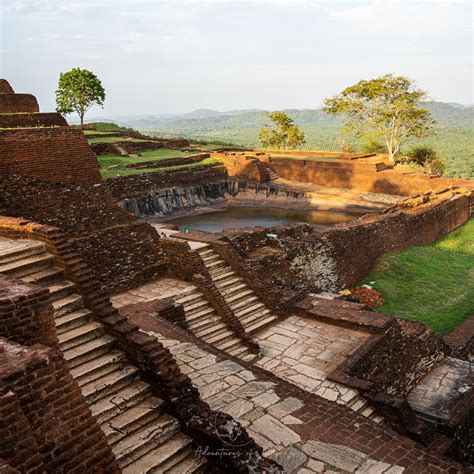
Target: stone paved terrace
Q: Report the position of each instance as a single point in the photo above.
(158, 289)
(304, 351)
(438, 390)
(303, 431)
(300, 350)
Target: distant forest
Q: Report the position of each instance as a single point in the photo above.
(454, 139)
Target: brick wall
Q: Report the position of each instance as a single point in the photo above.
(49, 426)
(52, 154)
(340, 256)
(359, 175)
(122, 250)
(26, 314)
(32, 120)
(18, 104)
(156, 364)
(5, 87)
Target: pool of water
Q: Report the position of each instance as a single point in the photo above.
(236, 217)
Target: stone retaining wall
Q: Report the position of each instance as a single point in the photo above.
(18, 104)
(32, 120)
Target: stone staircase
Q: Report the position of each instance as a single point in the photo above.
(143, 437)
(246, 305)
(273, 176)
(205, 323)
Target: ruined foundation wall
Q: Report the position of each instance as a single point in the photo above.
(359, 175)
(37, 388)
(51, 154)
(32, 120)
(339, 257)
(26, 314)
(18, 104)
(122, 250)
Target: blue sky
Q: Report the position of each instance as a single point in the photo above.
(177, 56)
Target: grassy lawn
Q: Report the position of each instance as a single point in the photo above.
(96, 132)
(109, 139)
(433, 284)
(112, 166)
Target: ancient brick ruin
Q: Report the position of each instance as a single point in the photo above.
(128, 346)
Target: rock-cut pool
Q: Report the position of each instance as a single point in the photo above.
(236, 217)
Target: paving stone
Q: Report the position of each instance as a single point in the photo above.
(204, 379)
(339, 456)
(266, 399)
(395, 470)
(234, 380)
(253, 389)
(295, 351)
(246, 375)
(316, 466)
(372, 466)
(224, 368)
(310, 371)
(221, 401)
(285, 407)
(282, 340)
(208, 391)
(290, 458)
(238, 408)
(291, 420)
(304, 381)
(279, 433)
(203, 362)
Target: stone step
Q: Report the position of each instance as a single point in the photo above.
(188, 299)
(238, 351)
(221, 273)
(100, 366)
(215, 264)
(80, 335)
(67, 304)
(72, 320)
(132, 419)
(196, 305)
(230, 343)
(260, 324)
(142, 441)
(231, 290)
(109, 383)
(88, 351)
(231, 280)
(210, 258)
(249, 310)
(21, 249)
(198, 316)
(214, 330)
(252, 317)
(121, 400)
(237, 296)
(190, 463)
(245, 303)
(162, 458)
(45, 277)
(220, 337)
(248, 357)
(27, 266)
(60, 289)
(206, 252)
(203, 323)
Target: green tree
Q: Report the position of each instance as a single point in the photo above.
(283, 134)
(388, 107)
(78, 90)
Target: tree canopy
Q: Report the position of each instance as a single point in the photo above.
(78, 90)
(284, 134)
(388, 107)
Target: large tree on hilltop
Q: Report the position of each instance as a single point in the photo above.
(78, 90)
(284, 134)
(388, 107)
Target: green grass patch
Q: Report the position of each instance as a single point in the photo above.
(112, 166)
(95, 132)
(111, 139)
(433, 284)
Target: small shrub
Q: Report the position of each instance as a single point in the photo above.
(373, 146)
(427, 159)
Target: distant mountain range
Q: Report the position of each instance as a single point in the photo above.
(454, 140)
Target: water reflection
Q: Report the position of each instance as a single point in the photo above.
(237, 217)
